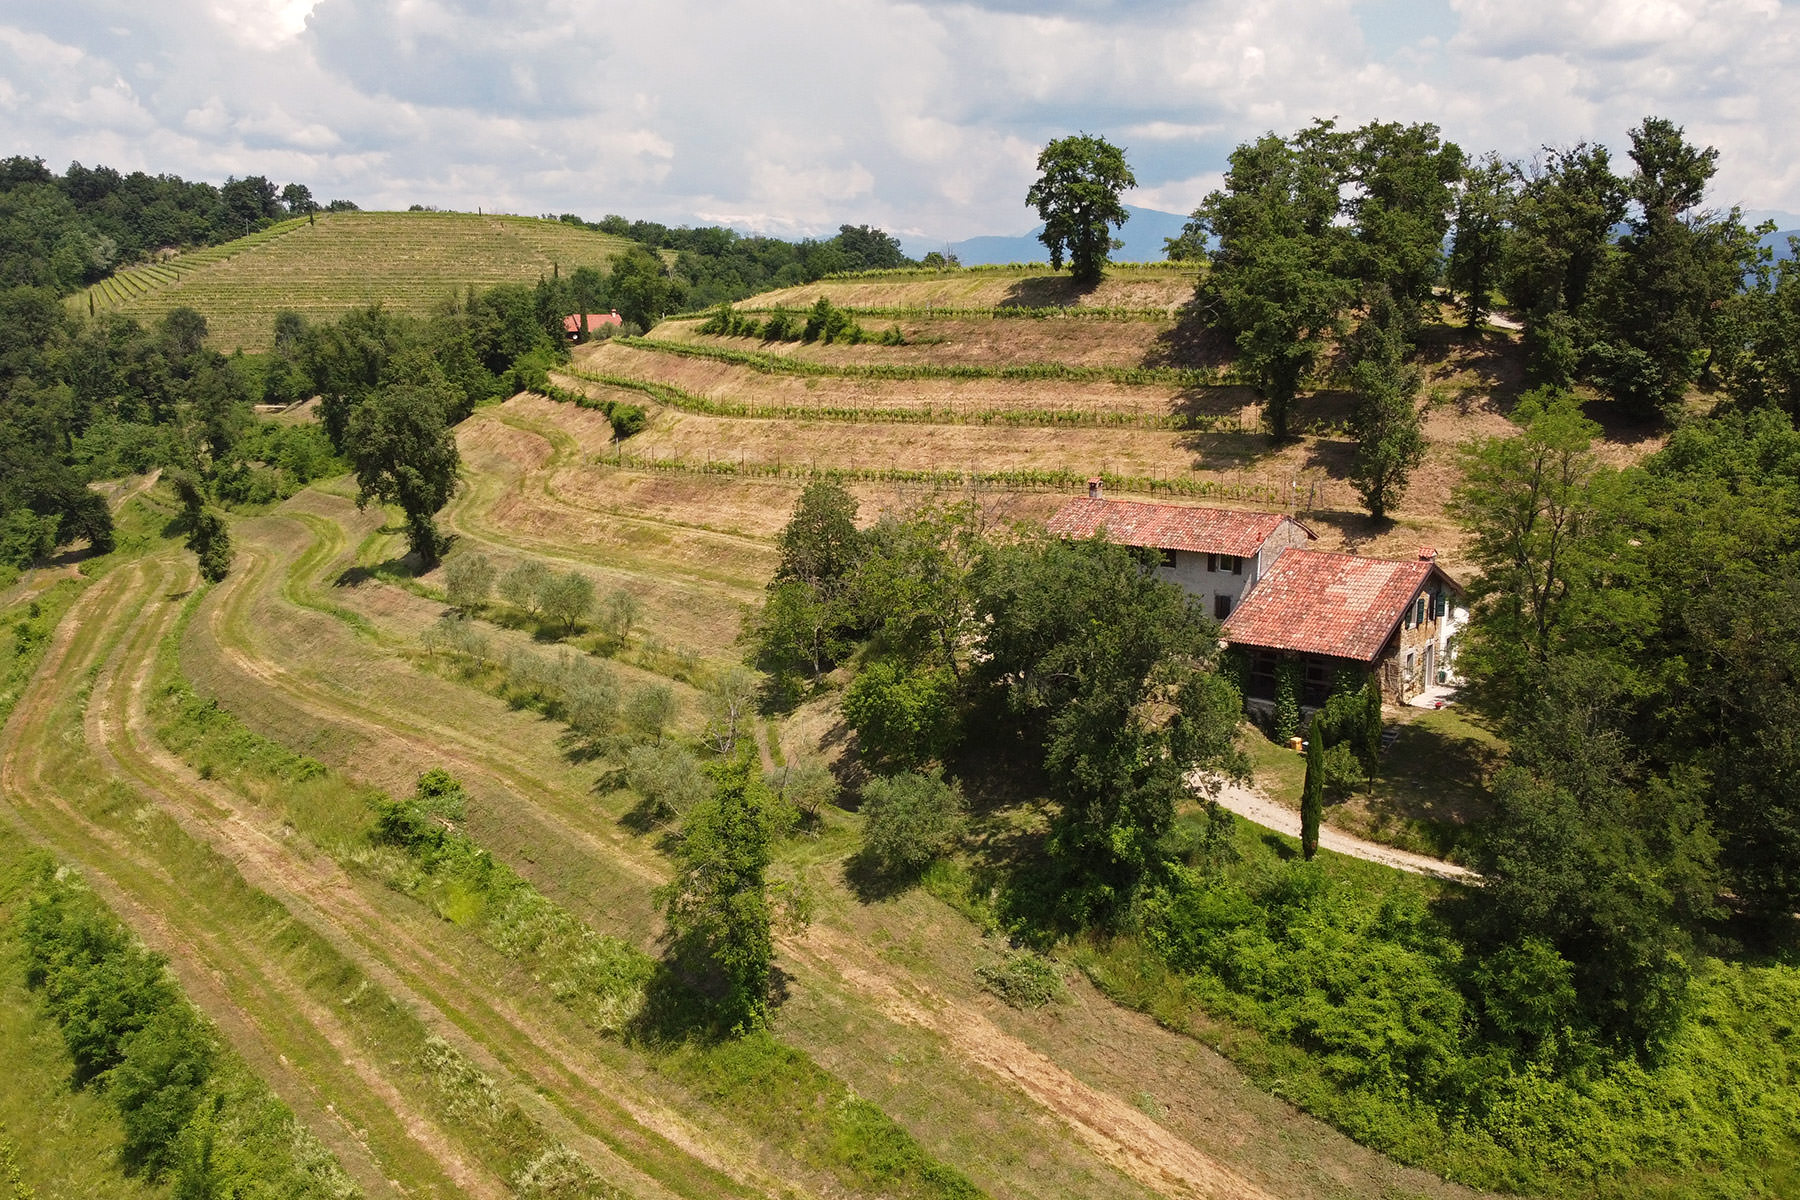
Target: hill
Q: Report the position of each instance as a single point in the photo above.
(406, 261)
(1143, 236)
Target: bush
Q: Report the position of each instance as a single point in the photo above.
(419, 823)
(520, 586)
(1287, 701)
(627, 419)
(668, 778)
(157, 1086)
(468, 579)
(1022, 979)
(902, 717)
(910, 821)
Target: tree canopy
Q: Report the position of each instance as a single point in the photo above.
(1080, 179)
(404, 453)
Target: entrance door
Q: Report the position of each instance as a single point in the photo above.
(1430, 665)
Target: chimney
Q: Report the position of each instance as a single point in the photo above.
(1094, 488)
(1427, 554)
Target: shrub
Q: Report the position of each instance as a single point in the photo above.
(627, 419)
(902, 717)
(520, 586)
(157, 1086)
(468, 578)
(566, 599)
(910, 821)
(1287, 700)
(780, 326)
(1022, 979)
(668, 778)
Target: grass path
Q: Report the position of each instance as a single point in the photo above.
(374, 946)
(235, 981)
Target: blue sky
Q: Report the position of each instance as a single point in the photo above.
(793, 116)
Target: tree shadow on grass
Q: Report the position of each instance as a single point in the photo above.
(1488, 360)
(1226, 451)
(871, 882)
(1190, 343)
(406, 566)
(1279, 846)
(681, 1000)
(1045, 291)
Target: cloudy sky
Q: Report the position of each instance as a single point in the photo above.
(924, 118)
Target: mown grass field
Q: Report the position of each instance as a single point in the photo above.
(337, 971)
(407, 261)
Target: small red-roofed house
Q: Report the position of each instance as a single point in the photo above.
(1218, 554)
(595, 322)
(1280, 602)
(1329, 612)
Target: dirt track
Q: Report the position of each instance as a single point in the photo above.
(1253, 806)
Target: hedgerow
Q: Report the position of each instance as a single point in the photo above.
(1050, 480)
(190, 1111)
(783, 364)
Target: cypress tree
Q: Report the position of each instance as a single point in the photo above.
(1371, 725)
(1312, 793)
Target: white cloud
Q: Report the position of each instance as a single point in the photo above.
(797, 116)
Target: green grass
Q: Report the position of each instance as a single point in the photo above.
(1080, 418)
(1023, 480)
(1334, 985)
(63, 1143)
(1427, 796)
(409, 262)
(774, 1089)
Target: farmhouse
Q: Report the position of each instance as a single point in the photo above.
(1218, 554)
(1326, 613)
(573, 328)
(1286, 607)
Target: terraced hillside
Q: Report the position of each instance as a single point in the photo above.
(408, 261)
(465, 1036)
(1010, 382)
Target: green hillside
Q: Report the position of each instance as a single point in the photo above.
(407, 261)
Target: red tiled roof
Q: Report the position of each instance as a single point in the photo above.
(595, 320)
(1168, 526)
(1318, 602)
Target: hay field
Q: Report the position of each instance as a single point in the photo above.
(407, 261)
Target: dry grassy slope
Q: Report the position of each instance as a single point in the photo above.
(1471, 382)
(1157, 285)
(406, 261)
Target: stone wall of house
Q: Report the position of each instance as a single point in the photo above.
(1415, 653)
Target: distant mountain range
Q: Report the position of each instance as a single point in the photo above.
(1143, 235)
(1778, 242)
